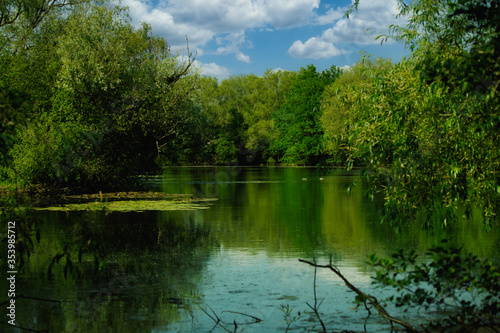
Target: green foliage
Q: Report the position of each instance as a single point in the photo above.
(101, 98)
(111, 71)
(454, 41)
(41, 152)
(339, 105)
(426, 129)
(226, 151)
(267, 95)
(300, 138)
(230, 135)
(21, 20)
(27, 74)
(288, 316)
(50, 153)
(450, 280)
(7, 133)
(431, 150)
(240, 110)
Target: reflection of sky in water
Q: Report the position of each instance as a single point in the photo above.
(266, 219)
(251, 282)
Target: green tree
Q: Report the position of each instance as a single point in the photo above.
(300, 138)
(339, 113)
(229, 118)
(240, 110)
(28, 64)
(429, 126)
(108, 83)
(20, 20)
(265, 98)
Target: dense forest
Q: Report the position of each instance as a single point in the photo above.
(89, 100)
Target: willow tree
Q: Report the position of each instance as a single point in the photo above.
(437, 114)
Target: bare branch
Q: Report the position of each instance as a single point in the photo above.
(174, 78)
(216, 319)
(316, 306)
(257, 320)
(372, 300)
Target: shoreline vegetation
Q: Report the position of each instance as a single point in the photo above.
(89, 101)
(424, 131)
(39, 197)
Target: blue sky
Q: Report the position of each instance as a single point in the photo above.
(233, 37)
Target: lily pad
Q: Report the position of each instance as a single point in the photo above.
(134, 205)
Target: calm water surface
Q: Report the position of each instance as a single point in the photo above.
(237, 261)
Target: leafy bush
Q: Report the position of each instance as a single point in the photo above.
(47, 153)
(227, 151)
(451, 281)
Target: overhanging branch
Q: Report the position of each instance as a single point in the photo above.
(372, 300)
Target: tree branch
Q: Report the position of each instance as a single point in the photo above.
(316, 306)
(216, 319)
(372, 300)
(257, 320)
(175, 77)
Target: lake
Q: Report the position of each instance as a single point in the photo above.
(232, 259)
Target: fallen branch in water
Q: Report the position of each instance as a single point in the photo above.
(372, 300)
(316, 306)
(218, 321)
(257, 320)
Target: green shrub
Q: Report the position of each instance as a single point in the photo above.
(49, 153)
(452, 281)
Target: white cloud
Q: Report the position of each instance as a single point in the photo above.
(203, 20)
(243, 58)
(370, 20)
(225, 23)
(286, 13)
(212, 69)
(232, 43)
(137, 7)
(314, 48)
(331, 16)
